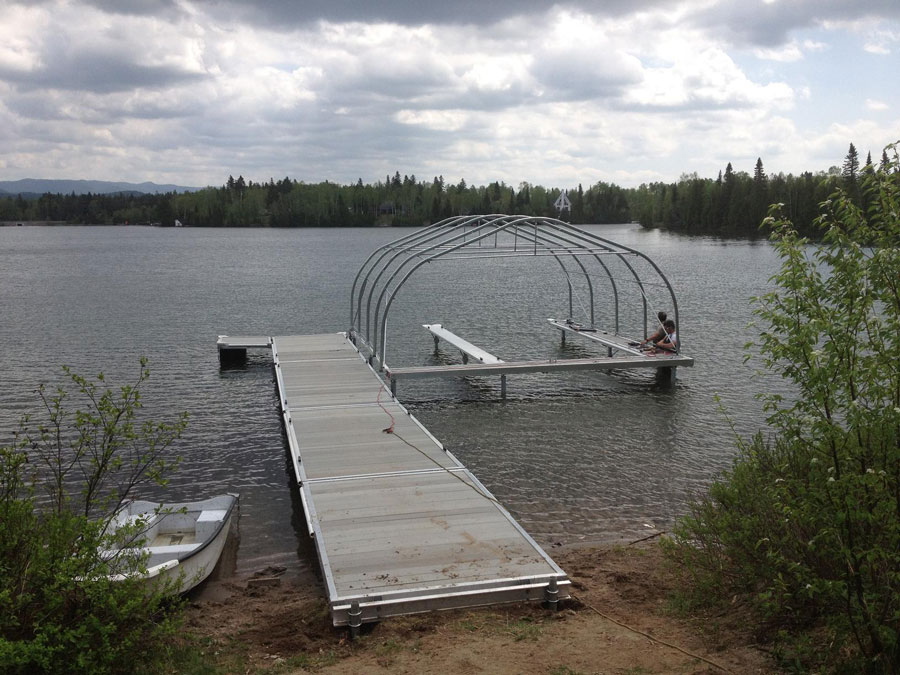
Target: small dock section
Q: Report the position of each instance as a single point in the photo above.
(622, 354)
(400, 525)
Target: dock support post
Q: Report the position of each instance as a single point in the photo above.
(551, 595)
(394, 387)
(503, 385)
(354, 619)
(232, 356)
(665, 375)
(437, 341)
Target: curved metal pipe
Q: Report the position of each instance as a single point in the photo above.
(450, 224)
(587, 236)
(386, 246)
(384, 272)
(382, 333)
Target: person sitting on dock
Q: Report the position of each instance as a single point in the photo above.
(660, 332)
(669, 343)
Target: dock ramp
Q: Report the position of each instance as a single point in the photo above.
(400, 525)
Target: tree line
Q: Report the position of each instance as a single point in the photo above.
(731, 205)
(735, 203)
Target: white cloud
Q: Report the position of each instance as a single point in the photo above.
(875, 48)
(785, 53)
(790, 51)
(184, 92)
(439, 120)
(704, 78)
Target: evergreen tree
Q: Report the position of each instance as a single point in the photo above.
(850, 173)
(759, 175)
(760, 193)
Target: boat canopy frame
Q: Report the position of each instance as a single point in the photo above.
(389, 267)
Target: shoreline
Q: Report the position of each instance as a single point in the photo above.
(620, 619)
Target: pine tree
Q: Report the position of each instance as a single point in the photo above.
(760, 193)
(850, 174)
(850, 171)
(869, 168)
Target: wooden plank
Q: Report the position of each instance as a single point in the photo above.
(441, 562)
(351, 425)
(377, 580)
(327, 382)
(395, 542)
(477, 353)
(311, 347)
(385, 528)
(603, 337)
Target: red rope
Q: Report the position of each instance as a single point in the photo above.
(390, 429)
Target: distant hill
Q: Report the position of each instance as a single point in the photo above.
(34, 187)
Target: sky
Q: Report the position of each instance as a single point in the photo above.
(555, 94)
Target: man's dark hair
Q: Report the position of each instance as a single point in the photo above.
(669, 324)
(662, 317)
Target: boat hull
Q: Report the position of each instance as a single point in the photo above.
(183, 541)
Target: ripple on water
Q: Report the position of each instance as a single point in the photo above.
(580, 456)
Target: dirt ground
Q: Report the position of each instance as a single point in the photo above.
(618, 621)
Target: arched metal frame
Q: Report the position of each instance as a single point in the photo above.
(390, 266)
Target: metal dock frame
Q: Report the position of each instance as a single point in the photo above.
(579, 253)
(400, 525)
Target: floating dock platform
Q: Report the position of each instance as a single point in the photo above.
(400, 525)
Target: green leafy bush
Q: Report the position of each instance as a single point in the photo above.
(60, 481)
(807, 524)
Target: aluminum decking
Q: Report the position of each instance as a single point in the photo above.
(400, 525)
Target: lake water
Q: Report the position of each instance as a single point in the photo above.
(574, 458)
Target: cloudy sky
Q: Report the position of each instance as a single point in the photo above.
(624, 91)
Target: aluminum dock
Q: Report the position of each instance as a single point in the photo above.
(400, 525)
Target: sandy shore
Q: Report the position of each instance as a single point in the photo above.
(619, 621)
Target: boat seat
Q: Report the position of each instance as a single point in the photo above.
(208, 522)
(147, 531)
(176, 548)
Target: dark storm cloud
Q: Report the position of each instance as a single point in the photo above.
(99, 68)
(137, 7)
(756, 23)
(288, 14)
(97, 73)
(584, 73)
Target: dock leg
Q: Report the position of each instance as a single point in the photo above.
(436, 342)
(563, 333)
(665, 375)
(503, 386)
(354, 619)
(232, 357)
(551, 595)
(394, 387)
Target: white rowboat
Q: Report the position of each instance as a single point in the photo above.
(184, 541)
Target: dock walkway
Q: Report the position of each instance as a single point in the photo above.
(400, 525)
